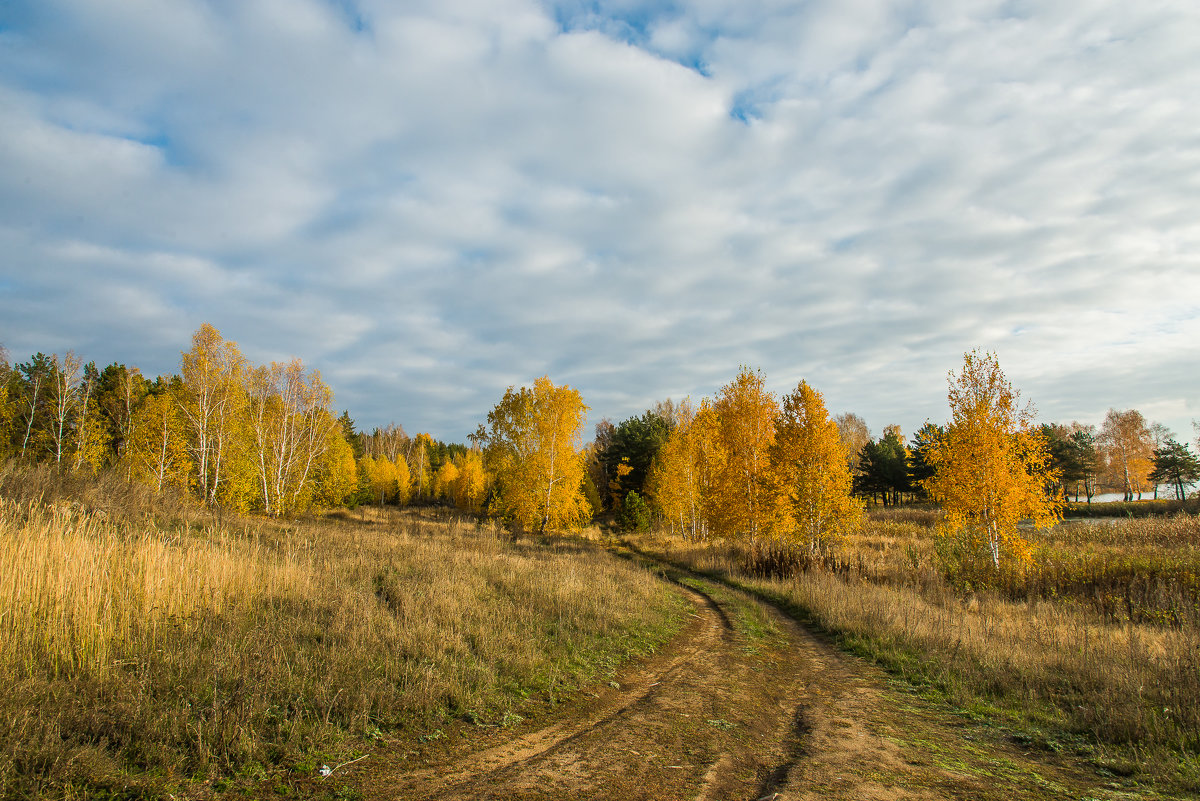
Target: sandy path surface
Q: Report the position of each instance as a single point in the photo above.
(732, 709)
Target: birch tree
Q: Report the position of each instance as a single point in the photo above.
(990, 464)
(534, 453)
(212, 403)
(291, 427)
(745, 412)
(810, 476)
(1129, 450)
(156, 449)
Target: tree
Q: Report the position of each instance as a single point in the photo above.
(212, 402)
(470, 486)
(1129, 450)
(883, 467)
(353, 438)
(1064, 457)
(336, 475)
(63, 403)
(119, 391)
(810, 476)
(90, 438)
(919, 467)
(630, 447)
(34, 378)
(635, 513)
(291, 426)
(990, 465)
(533, 451)
(444, 481)
(419, 466)
(854, 434)
(745, 413)
(1175, 464)
(1086, 458)
(156, 450)
(675, 482)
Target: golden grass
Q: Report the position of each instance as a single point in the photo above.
(137, 658)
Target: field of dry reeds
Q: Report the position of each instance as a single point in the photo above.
(143, 653)
(1094, 646)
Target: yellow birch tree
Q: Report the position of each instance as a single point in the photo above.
(290, 428)
(991, 466)
(336, 475)
(745, 412)
(534, 453)
(213, 403)
(156, 450)
(672, 483)
(810, 476)
(444, 479)
(470, 487)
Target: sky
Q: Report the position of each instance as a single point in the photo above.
(432, 201)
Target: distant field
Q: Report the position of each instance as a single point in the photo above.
(141, 655)
(1094, 648)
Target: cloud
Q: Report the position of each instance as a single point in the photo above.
(432, 203)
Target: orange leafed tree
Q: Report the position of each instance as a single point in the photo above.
(810, 476)
(444, 481)
(673, 483)
(1128, 450)
(745, 412)
(470, 486)
(534, 453)
(990, 465)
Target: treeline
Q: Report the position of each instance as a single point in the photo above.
(1127, 454)
(243, 437)
(230, 434)
(743, 464)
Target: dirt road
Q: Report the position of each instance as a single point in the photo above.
(744, 704)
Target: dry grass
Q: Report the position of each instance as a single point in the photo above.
(138, 658)
(1047, 660)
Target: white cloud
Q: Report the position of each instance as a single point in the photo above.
(431, 204)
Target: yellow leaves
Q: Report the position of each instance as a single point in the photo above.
(470, 485)
(990, 465)
(156, 450)
(674, 480)
(444, 481)
(388, 480)
(533, 449)
(809, 477)
(744, 413)
(1128, 451)
(290, 427)
(743, 467)
(336, 474)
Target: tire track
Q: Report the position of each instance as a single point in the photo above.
(702, 644)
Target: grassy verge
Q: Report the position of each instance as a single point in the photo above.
(140, 658)
(1048, 673)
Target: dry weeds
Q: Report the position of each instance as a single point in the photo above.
(137, 657)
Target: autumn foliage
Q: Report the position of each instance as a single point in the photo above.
(747, 468)
(534, 451)
(990, 464)
(810, 477)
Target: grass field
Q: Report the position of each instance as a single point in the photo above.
(1094, 648)
(142, 654)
